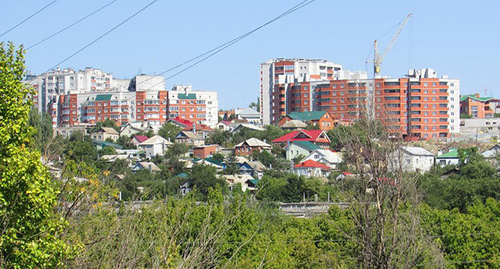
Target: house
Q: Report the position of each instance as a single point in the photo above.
(492, 152)
(250, 146)
(317, 137)
(247, 182)
(180, 122)
(114, 157)
(312, 168)
(324, 156)
(294, 125)
(411, 159)
(300, 148)
(321, 119)
(202, 152)
(199, 129)
(190, 138)
(253, 168)
(155, 145)
(249, 114)
(137, 139)
(132, 128)
(151, 166)
(224, 125)
(345, 175)
(247, 125)
(449, 158)
(219, 166)
(105, 133)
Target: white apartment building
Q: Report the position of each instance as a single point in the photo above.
(194, 105)
(283, 71)
(63, 81)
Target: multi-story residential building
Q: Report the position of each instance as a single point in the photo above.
(277, 76)
(196, 106)
(421, 105)
(90, 95)
(477, 107)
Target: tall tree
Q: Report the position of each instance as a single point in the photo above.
(29, 228)
(169, 131)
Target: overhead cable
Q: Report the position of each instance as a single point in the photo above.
(31, 16)
(71, 25)
(103, 35)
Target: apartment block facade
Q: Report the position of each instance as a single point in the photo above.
(89, 96)
(420, 105)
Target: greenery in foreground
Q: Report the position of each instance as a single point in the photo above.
(420, 221)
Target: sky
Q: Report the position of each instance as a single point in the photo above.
(456, 38)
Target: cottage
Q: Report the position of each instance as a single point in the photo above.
(105, 133)
(321, 119)
(294, 125)
(151, 166)
(137, 139)
(300, 148)
(411, 159)
(155, 145)
(190, 138)
(205, 151)
(317, 137)
(449, 158)
(325, 156)
(312, 168)
(247, 182)
(250, 146)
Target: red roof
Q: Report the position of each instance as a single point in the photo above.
(183, 121)
(141, 138)
(313, 164)
(301, 135)
(199, 127)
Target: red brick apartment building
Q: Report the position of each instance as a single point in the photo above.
(427, 107)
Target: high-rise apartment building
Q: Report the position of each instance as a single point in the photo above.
(196, 106)
(278, 75)
(421, 105)
(89, 96)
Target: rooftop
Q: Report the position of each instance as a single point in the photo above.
(307, 116)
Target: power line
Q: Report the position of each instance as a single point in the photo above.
(71, 25)
(103, 35)
(220, 48)
(15, 26)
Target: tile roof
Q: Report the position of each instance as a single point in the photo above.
(473, 96)
(449, 154)
(311, 135)
(103, 97)
(418, 151)
(306, 145)
(141, 138)
(294, 124)
(307, 116)
(183, 121)
(313, 164)
(109, 130)
(156, 140)
(254, 142)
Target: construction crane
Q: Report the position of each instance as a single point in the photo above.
(378, 58)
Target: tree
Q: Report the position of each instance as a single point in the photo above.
(203, 178)
(169, 131)
(29, 228)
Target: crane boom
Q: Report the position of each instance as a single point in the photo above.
(378, 58)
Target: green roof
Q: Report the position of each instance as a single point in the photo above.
(473, 96)
(103, 97)
(254, 181)
(186, 96)
(182, 175)
(107, 144)
(449, 154)
(306, 145)
(307, 116)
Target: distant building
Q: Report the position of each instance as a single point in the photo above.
(249, 114)
(322, 119)
(478, 107)
(411, 159)
(202, 152)
(196, 106)
(317, 137)
(250, 146)
(312, 168)
(105, 133)
(419, 106)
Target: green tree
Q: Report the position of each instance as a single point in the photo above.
(29, 228)
(169, 131)
(203, 178)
